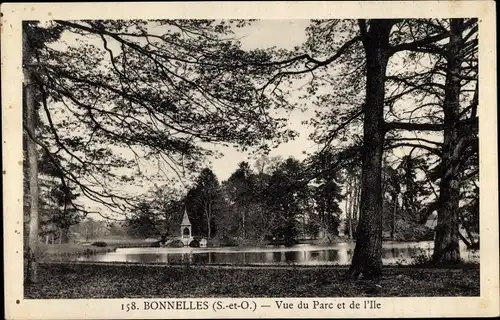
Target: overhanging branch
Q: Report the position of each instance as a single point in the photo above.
(309, 59)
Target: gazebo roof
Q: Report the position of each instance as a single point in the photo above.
(185, 219)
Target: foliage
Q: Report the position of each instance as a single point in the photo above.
(194, 244)
(175, 244)
(204, 202)
(422, 259)
(99, 244)
(90, 228)
(246, 209)
(406, 190)
(143, 222)
(406, 230)
(156, 91)
(289, 200)
(240, 190)
(117, 229)
(56, 210)
(327, 194)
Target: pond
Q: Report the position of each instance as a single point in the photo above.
(302, 254)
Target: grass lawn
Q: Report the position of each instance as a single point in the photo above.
(73, 281)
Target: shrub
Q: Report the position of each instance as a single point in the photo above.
(89, 251)
(175, 244)
(411, 231)
(213, 243)
(421, 258)
(228, 242)
(40, 253)
(156, 244)
(194, 244)
(251, 242)
(99, 244)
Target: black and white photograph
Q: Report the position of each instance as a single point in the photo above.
(165, 161)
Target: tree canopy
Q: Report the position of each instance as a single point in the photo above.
(114, 94)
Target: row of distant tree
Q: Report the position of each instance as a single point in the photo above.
(288, 199)
(273, 199)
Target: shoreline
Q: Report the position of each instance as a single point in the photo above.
(78, 254)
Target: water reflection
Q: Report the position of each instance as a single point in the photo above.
(338, 254)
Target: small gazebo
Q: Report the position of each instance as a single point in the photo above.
(186, 236)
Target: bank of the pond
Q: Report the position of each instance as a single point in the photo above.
(71, 250)
(83, 280)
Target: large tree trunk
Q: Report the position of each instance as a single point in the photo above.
(367, 259)
(30, 127)
(446, 243)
